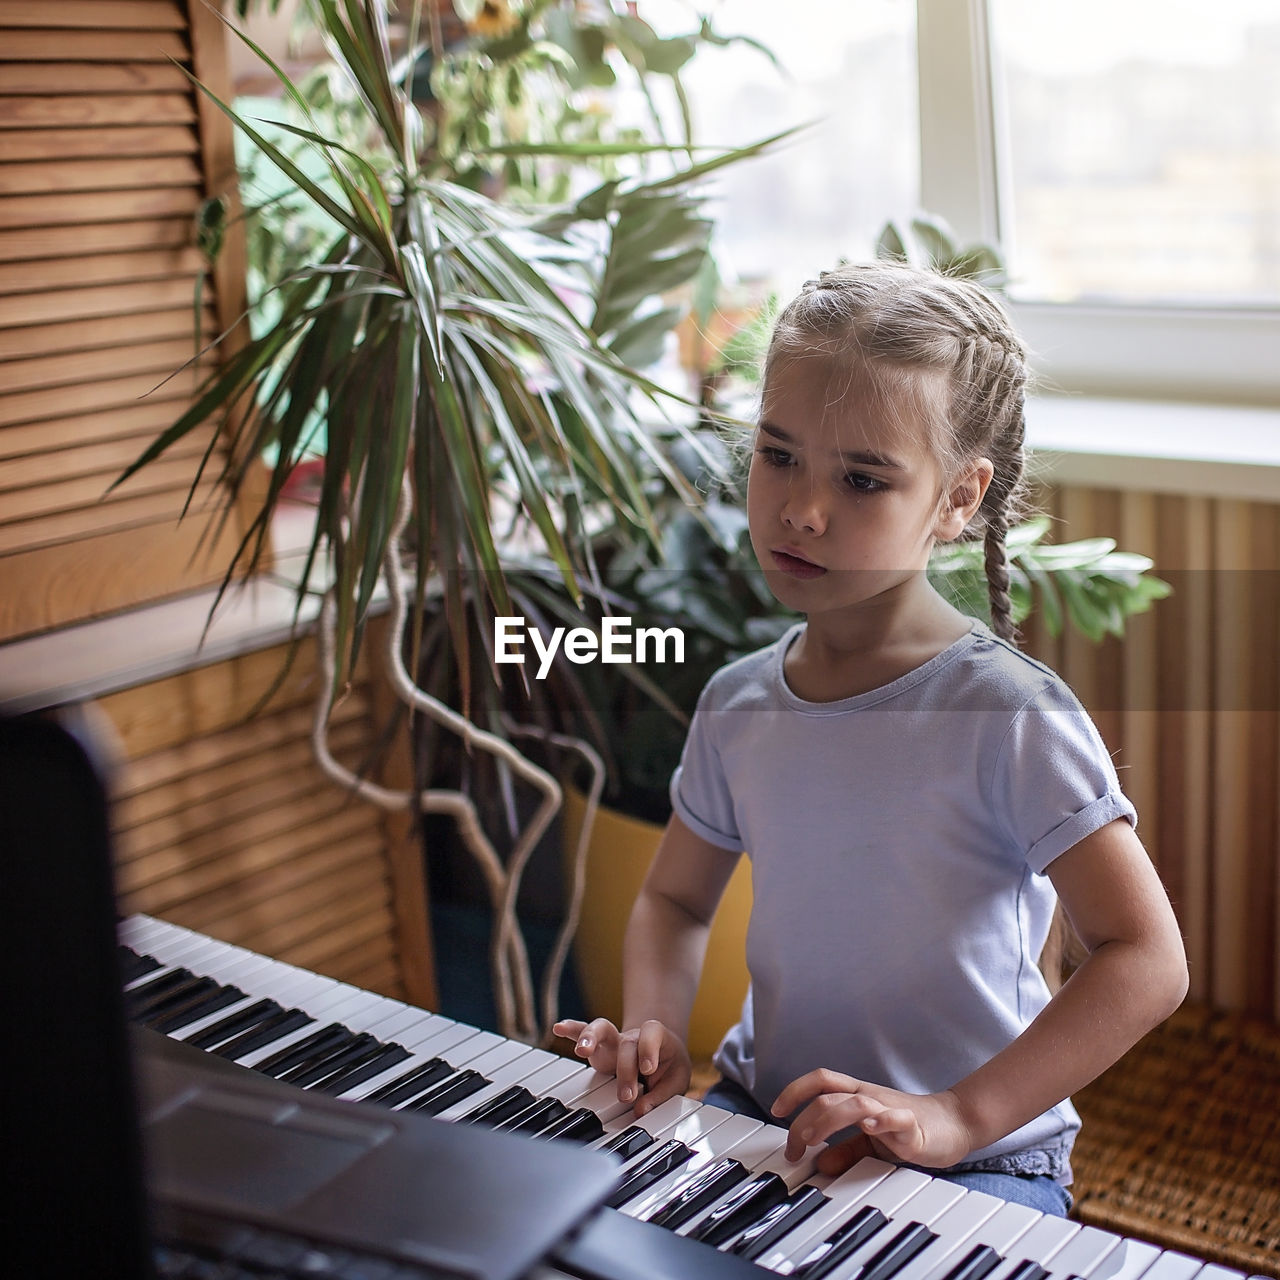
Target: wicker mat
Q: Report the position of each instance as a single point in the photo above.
(1181, 1141)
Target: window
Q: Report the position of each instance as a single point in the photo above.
(848, 70)
(1143, 155)
(1125, 156)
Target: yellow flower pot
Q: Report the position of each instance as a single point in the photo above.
(618, 857)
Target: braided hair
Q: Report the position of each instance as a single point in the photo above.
(895, 321)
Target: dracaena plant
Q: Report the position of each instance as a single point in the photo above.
(474, 367)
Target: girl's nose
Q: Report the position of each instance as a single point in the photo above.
(802, 511)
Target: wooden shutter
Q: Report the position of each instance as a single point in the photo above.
(226, 823)
(106, 152)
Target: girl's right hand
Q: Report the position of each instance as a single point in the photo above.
(650, 1061)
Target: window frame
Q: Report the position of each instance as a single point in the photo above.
(1209, 353)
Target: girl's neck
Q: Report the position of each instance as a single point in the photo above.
(842, 654)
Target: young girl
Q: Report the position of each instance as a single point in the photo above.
(915, 794)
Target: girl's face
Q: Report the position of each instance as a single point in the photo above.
(845, 500)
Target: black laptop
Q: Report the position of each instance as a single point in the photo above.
(127, 1150)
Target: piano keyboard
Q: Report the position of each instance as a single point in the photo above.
(702, 1193)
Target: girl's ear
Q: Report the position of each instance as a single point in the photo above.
(961, 501)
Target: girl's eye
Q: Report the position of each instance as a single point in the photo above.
(860, 482)
(774, 456)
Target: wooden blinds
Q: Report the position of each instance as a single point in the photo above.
(106, 153)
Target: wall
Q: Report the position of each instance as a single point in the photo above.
(1188, 703)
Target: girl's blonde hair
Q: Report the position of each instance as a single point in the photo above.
(891, 321)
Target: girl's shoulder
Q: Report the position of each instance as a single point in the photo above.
(997, 672)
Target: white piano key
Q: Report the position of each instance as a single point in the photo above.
(501, 1074)
(409, 1021)
(757, 1148)
(1000, 1232)
(847, 1194)
(761, 1151)
(1083, 1252)
(711, 1139)
(546, 1078)
(479, 1052)
(924, 1206)
(1172, 1265)
(417, 1035)
(145, 933)
(1130, 1260)
(188, 957)
(1040, 1243)
(400, 1069)
(239, 976)
(212, 953)
(793, 1173)
(578, 1084)
(653, 1122)
(325, 1011)
(955, 1229)
(1216, 1272)
(603, 1100)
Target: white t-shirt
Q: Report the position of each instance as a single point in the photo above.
(898, 842)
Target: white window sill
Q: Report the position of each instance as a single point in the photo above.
(1216, 451)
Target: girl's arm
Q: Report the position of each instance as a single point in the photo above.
(1134, 977)
(662, 954)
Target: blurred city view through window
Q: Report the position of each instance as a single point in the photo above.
(1144, 149)
(1141, 141)
(847, 70)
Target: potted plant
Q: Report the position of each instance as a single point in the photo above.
(474, 365)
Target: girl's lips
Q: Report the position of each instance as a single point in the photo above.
(795, 566)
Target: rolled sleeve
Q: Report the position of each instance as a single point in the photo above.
(699, 792)
(1091, 818)
(1054, 781)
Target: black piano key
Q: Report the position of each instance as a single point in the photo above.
(744, 1205)
(1028, 1270)
(323, 1065)
(847, 1238)
(781, 1220)
(324, 1041)
(534, 1119)
(500, 1107)
(656, 1164)
(198, 1008)
(894, 1254)
(267, 1031)
(138, 999)
(457, 1088)
(178, 998)
(630, 1142)
(978, 1263)
(234, 1023)
(582, 1125)
(133, 965)
(412, 1083)
(375, 1063)
(702, 1191)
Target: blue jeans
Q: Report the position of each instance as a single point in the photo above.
(1034, 1191)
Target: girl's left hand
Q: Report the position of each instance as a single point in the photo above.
(925, 1129)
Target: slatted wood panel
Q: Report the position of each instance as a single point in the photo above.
(227, 825)
(1188, 703)
(106, 152)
